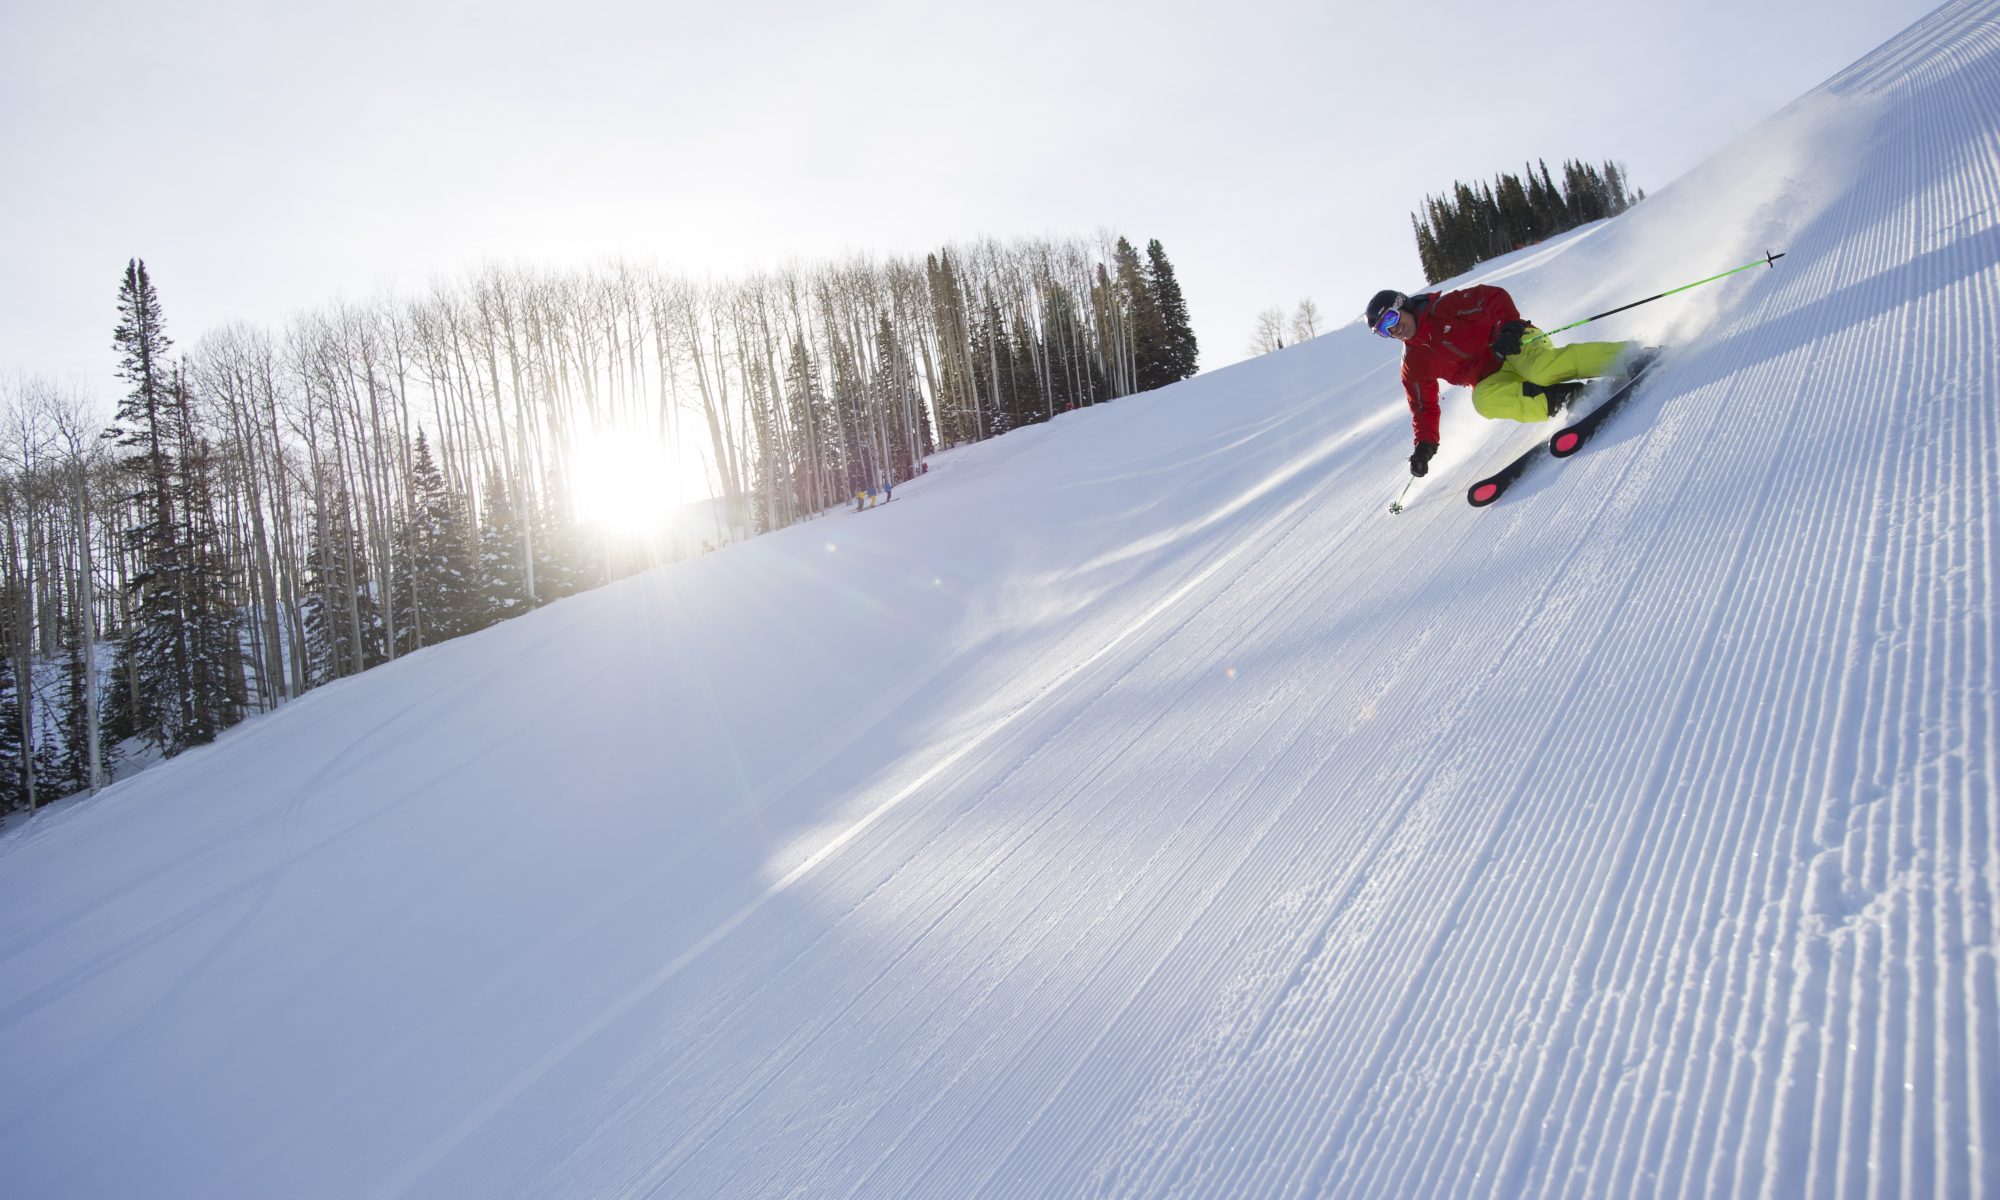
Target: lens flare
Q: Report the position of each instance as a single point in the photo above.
(622, 484)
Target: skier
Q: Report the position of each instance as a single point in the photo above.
(1476, 338)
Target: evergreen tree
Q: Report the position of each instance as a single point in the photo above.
(1559, 217)
(70, 772)
(435, 602)
(1544, 204)
(1179, 355)
(1148, 332)
(817, 477)
(13, 759)
(767, 507)
(1585, 204)
(120, 720)
(1031, 401)
(1493, 238)
(51, 782)
(1428, 258)
(993, 370)
(344, 629)
(849, 409)
(1074, 377)
(896, 398)
(1471, 233)
(565, 558)
(1616, 198)
(156, 650)
(1468, 226)
(957, 400)
(217, 694)
(502, 587)
(1516, 214)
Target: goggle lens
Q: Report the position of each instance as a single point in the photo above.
(1385, 325)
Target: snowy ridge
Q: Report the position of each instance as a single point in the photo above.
(1135, 808)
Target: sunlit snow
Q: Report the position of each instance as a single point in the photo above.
(1135, 807)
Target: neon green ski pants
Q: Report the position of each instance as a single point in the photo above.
(1500, 397)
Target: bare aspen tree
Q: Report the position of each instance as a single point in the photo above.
(234, 365)
(82, 454)
(28, 446)
(497, 300)
(1269, 334)
(1306, 321)
(682, 317)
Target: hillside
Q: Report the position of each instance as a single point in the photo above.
(1134, 807)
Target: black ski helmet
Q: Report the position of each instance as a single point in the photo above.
(1382, 302)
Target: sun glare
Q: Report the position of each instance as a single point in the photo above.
(622, 484)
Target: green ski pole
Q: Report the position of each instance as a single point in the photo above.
(1769, 260)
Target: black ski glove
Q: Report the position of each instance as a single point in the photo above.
(1507, 338)
(1420, 462)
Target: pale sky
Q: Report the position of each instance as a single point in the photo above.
(267, 157)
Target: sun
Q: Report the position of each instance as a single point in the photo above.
(623, 483)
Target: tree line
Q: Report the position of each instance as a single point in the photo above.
(1467, 225)
(274, 510)
(1271, 329)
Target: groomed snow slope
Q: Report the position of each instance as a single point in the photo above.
(1133, 807)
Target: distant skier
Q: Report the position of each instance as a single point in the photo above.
(1476, 338)
(888, 490)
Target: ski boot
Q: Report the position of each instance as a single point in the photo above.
(1559, 395)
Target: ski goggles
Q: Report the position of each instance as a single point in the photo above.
(1385, 321)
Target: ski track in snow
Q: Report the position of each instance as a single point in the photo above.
(1158, 817)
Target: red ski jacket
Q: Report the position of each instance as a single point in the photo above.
(1453, 342)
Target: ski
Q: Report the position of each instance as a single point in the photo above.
(1570, 438)
(1487, 490)
(1567, 441)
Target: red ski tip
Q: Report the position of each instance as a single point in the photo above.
(1485, 493)
(1565, 443)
